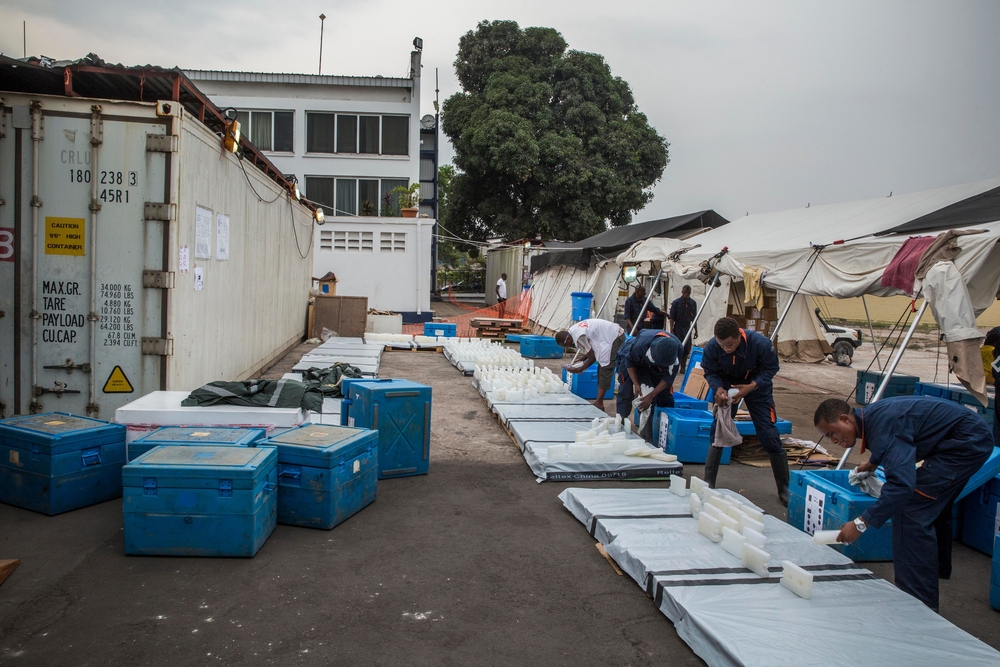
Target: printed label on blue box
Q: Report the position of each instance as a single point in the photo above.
(815, 499)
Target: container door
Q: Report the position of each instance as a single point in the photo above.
(11, 199)
(80, 252)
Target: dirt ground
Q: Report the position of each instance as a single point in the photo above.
(473, 564)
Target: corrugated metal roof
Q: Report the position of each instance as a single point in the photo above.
(310, 79)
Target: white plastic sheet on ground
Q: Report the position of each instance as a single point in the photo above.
(731, 617)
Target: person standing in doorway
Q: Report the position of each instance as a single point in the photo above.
(597, 340)
(682, 314)
(745, 361)
(634, 311)
(952, 442)
(501, 289)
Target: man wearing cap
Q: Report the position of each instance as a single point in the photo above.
(649, 358)
(597, 340)
(745, 361)
(952, 442)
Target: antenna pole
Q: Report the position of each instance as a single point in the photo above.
(322, 18)
(24, 28)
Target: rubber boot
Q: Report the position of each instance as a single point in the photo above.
(779, 466)
(712, 465)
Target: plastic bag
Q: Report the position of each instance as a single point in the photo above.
(866, 481)
(645, 426)
(726, 434)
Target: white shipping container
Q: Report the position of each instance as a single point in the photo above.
(135, 256)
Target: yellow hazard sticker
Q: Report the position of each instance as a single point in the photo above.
(15, 457)
(316, 434)
(65, 236)
(200, 434)
(117, 382)
(55, 422)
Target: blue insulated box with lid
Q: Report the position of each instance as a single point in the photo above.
(541, 347)
(325, 473)
(400, 411)
(56, 462)
(200, 500)
(195, 435)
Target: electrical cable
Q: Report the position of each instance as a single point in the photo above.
(295, 235)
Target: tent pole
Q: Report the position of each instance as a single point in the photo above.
(701, 309)
(890, 369)
(642, 313)
(621, 272)
(788, 306)
(871, 330)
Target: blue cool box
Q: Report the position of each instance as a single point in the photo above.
(841, 503)
(541, 347)
(995, 578)
(195, 435)
(688, 434)
(56, 462)
(326, 474)
(869, 381)
(448, 329)
(979, 514)
(584, 384)
(200, 500)
(400, 411)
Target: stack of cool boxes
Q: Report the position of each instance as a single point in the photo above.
(216, 490)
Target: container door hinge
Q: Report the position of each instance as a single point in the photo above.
(160, 211)
(163, 347)
(96, 126)
(158, 279)
(3, 120)
(37, 124)
(161, 143)
(149, 486)
(225, 488)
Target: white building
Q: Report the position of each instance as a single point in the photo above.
(348, 140)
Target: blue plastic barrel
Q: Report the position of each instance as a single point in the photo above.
(581, 305)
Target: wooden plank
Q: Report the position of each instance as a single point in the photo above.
(600, 548)
(7, 567)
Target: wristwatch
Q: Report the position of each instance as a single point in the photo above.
(860, 525)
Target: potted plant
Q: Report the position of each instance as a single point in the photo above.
(408, 198)
(367, 208)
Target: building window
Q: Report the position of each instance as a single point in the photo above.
(367, 197)
(268, 130)
(357, 134)
(392, 242)
(352, 241)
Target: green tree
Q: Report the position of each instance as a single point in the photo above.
(546, 140)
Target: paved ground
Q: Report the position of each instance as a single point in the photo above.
(474, 564)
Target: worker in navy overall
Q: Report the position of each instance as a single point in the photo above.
(993, 340)
(682, 313)
(744, 360)
(951, 441)
(634, 311)
(648, 358)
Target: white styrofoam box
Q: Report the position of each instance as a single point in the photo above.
(388, 324)
(163, 408)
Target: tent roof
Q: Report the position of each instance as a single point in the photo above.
(620, 238)
(977, 210)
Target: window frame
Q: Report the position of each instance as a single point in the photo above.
(358, 115)
(334, 207)
(246, 128)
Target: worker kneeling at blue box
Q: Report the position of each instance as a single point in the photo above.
(400, 411)
(56, 462)
(326, 474)
(200, 500)
(195, 435)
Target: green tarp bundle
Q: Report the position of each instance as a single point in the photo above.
(316, 384)
(327, 380)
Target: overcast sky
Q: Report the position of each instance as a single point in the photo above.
(766, 105)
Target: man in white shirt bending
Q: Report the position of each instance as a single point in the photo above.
(502, 292)
(597, 340)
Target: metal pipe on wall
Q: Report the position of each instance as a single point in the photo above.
(96, 139)
(890, 369)
(36, 203)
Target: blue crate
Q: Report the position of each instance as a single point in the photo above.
(56, 462)
(747, 428)
(447, 329)
(689, 403)
(513, 338)
(687, 434)
(200, 501)
(541, 347)
(584, 384)
(843, 503)
(326, 474)
(196, 435)
(995, 575)
(961, 395)
(400, 411)
(694, 361)
(979, 511)
(984, 475)
(869, 381)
